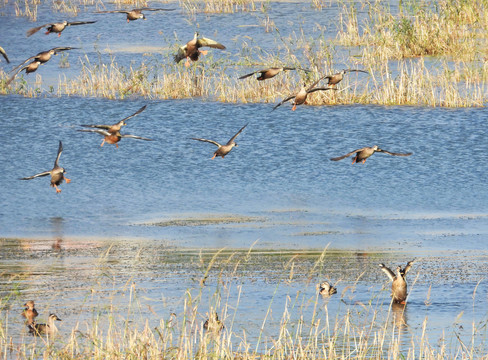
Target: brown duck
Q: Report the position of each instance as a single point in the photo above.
(301, 96)
(270, 73)
(365, 152)
(4, 54)
(326, 289)
(57, 172)
(49, 328)
(29, 68)
(223, 150)
(192, 49)
(117, 126)
(30, 312)
(399, 284)
(57, 27)
(111, 133)
(133, 14)
(44, 56)
(213, 324)
(334, 79)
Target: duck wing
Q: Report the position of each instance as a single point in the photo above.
(356, 70)
(387, 271)
(209, 141)
(394, 154)
(153, 9)
(201, 42)
(112, 11)
(129, 136)
(408, 267)
(181, 54)
(45, 173)
(136, 113)
(60, 150)
(234, 137)
(98, 131)
(250, 74)
(284, 101)
(4, 54)
(320, 89)
(32, 31)
(80, 23)
(347, 155)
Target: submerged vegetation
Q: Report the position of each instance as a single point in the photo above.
(139, 328)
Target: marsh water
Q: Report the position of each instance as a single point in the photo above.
(151, 214)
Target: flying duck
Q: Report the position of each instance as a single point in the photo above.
(192, 49)
(44, 56)
(223, 150)
(270, 73)
(365, 152)
(57, 172)
(133, 14)
(57, 27)
(399, 284)
(334, 79)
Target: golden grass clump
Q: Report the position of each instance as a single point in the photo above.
(217, 6)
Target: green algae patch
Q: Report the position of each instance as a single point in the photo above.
(207, 220)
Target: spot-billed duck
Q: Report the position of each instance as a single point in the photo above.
(49, 328)
(399, 283)
(192, 49)
(57, 172)
(334, 79)
(29, 312)
(133, 14)
(223, 149)
(57, 27)
(270, 73)
(326, 289)
(365, 152)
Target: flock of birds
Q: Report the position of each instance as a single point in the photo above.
(112, 135)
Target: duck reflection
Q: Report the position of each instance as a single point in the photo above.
(399, 316)
(57, 228)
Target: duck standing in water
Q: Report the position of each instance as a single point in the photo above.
(30, 312)
(191, 51)
(133, 14)
(57, 172)
(270, 73)
(111, 133)
(223, 150)
(365, 152)
(49, 328)
(57, 27)
(399, 283)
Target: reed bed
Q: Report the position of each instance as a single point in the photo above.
(305, 329)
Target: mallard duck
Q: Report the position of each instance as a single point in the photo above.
(44, 56)
(4, 54)
(223, 150)
(270, 73)
(111, 133)
(334, 79)
(133, 14)
(29, 312)
(192, 49)
(365, 152)
(57, 27)
(117, 126)
(57, 172)
(326, 289)
(213, 324)
(49, 328)
(301, 96)
(399, 284)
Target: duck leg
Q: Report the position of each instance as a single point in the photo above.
(187, 63)
(58, 190)
(203, 52)
(67, 180)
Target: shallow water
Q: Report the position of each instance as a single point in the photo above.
(141, 214)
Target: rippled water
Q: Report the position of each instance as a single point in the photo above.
(137, 213)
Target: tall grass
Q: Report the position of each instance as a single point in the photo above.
(305, 329)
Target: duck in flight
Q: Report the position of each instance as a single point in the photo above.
(270, 73)
(57, 172)
(133, 14)
(44, 56)
(111, 133)
(334, 79)
(223, 150)
(365, 152)
(300, 97)
(57, 27)
(191, 51)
